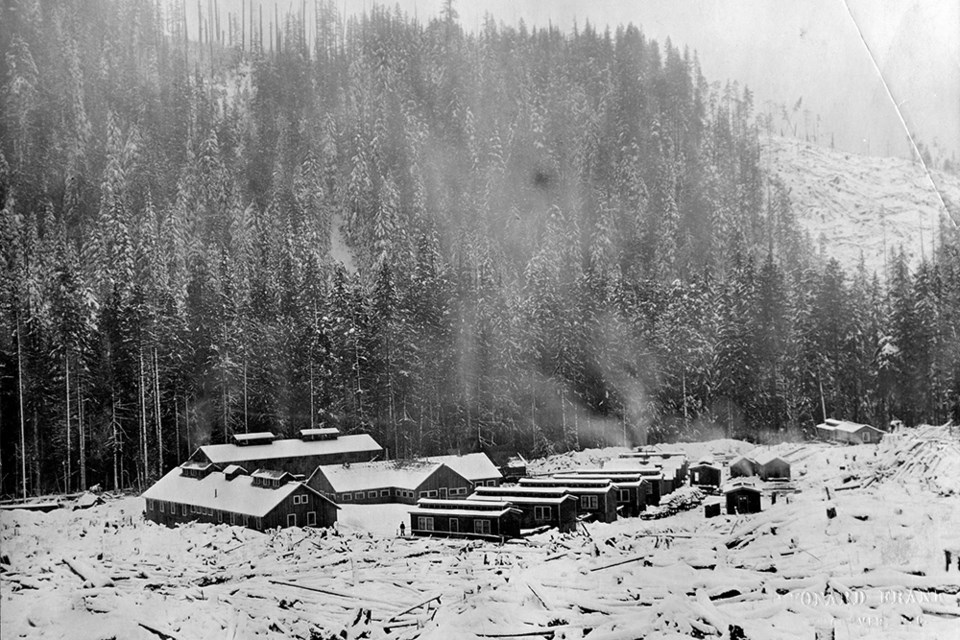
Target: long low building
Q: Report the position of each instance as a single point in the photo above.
(849, 432)
(539, 506)
(299, 456)
(196, 492)
(596, 495)
(497, 520)
(631, 489)
(383, 481)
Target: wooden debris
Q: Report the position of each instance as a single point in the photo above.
(90, 576)
(158, 631)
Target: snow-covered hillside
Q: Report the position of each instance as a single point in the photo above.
(876, 570)
(855, 203)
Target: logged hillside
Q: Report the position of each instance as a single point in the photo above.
(853, 205)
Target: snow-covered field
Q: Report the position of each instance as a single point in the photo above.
(874, 571)
(861, 204)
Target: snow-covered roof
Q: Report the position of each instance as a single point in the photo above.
(288, 448)
(472, 466)
(257, 437)
(706, 465)
(327, 432)
(464, 513)
(743, 457)
(618, 480)
(844, 425)
(361, 476)
(592, 483)
(520, 491)
(740, 486)
(269, 474)
(519, 499)
(214, 491)
(766, 457)
(199, 465)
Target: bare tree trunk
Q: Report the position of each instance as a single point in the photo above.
(116, 440)
(311, 390)
(143, 423)
(83, 437)
(23, 428)
(176, 424)
(246, 427)
(156, 406)
(186, 425)
(66, 362)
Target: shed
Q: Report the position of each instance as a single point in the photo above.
(743, 467)
(263, 500)
(295, 455)
(491, 520)
(631, 489)
(853, 433)
(770, 466)
(540, 505)
(596, 495)
(742, 498)
(383, 481)
(705, 474)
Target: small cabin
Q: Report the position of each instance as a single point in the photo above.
(772, 467)
(705, 474)
(848, 432)
(743, 467)
(597, 497)
(631, 490)
(742, 498)
(489, 520)
(539, 506)
(262, 500)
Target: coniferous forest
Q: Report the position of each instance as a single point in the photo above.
(512, 240)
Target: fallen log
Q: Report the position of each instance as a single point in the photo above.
(156, 630)
(617, 564)
(90, 576)
(414, 607)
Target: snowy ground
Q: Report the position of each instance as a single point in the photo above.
(861, 204)
(874, 571)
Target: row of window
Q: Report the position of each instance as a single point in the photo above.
(224, 516)
(400, 493)
(304, 499)
(425, 523)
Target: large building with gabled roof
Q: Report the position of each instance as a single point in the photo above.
(478, 468)
(299, 456)
(381, 481)
(197, 492)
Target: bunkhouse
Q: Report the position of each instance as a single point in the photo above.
(382, 481)
(673, 467)
(465, 519)
(705, 474)
(596, 496)
(849, 432)
(631, 489)
(197, 492)
(743, 467)
(770, 466)
(660, 483)
(539, 506)
(742, 498)
(299, 456)
(478, 468)
(651, 476)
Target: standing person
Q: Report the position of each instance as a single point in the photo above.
(403, 530)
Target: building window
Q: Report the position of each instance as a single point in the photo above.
(423, 494)
(220, 516)
(161, 506)
(371, 495)
(358, 495)
(696, 476)
(542, 513)
(589, 502)
(624, 495)
(491, 483)
(296, 499)
(291, 519)
(183, 509)
(431, 494)
(454, 525)
(866, 436)
(311, 518)
(305, 498)
(384, 493)
(481, 526)
(424, 523)
(345, 497)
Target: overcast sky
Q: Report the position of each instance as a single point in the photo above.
(784, 50)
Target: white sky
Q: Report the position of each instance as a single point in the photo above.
(783, 50)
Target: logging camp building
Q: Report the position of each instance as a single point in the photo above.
(539, 506)
(770, 466)
(631, 489)
(743, 467)
(705, 474)
(742, 498)
(383, 481)
(596, 496)
(299, 456)
(478, 468)
(848, 432)
(493, 520)
(197, 492)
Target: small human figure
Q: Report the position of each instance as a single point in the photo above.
(403, 529)
(946, 552)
